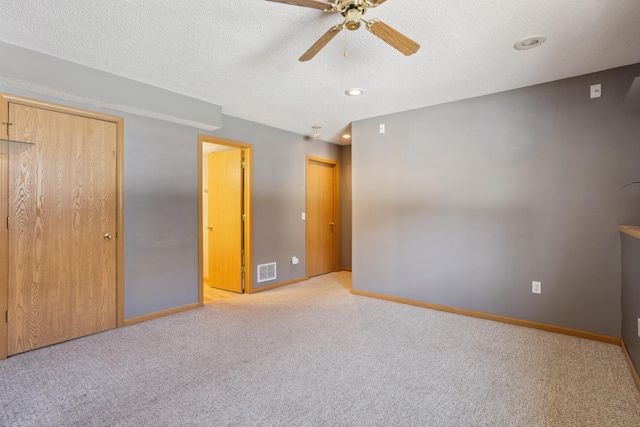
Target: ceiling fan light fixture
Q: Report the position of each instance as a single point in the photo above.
(354, 91)
(353, 19)
(530, 42)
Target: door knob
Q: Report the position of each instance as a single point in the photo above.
(209, 227)
(107, 236)
(331, 224)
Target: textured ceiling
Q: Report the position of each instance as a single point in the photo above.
(242, 55)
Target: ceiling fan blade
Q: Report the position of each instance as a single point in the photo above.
(399, 41)
(322, 42)
(314, 4)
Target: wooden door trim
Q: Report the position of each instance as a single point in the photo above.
(4, 237)
(336, 209)
(5, 99)
(248, 191)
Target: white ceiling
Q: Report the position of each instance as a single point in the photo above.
(243, 55)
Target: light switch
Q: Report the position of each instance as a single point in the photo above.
(304, 216)
(596, 91)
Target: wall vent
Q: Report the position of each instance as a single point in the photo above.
(266, 272)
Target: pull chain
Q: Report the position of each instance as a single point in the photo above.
(345, 45)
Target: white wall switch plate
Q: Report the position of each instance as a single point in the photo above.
(596, 91)
(304, 216)
(382, 128)
(295, 260)
(536, 287)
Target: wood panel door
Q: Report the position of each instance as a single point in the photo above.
(62, 226)
(225, 219)
(321, 216)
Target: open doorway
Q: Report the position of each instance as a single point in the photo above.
(224, 205)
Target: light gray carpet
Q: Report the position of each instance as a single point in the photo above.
(313, 354)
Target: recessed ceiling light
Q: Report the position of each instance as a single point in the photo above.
(530, 42)
(346, 136)
(354, 92)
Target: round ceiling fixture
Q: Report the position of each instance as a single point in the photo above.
(530, 42)
(354, 91)
(346, 136)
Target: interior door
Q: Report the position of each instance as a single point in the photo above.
(321, 217)
(62, 222)
(225, 219)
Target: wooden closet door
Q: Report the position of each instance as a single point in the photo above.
(62, 209)
(225, 220)
(321, 218)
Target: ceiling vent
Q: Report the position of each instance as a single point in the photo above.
(266, 272)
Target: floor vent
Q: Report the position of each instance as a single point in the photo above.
(266, 272)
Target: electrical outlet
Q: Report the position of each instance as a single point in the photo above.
(536, 287)
(294, 260)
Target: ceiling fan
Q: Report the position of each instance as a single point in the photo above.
(353, 10)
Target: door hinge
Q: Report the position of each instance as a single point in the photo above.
(7, 315)
(244, 217)
(243, 269)
(7, 124)
(243, 164)
(7, 223)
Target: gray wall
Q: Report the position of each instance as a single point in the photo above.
(631, 296)
(345, 206)
(160, 216)
(161, 212)
(464, 204)
(160, 178)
